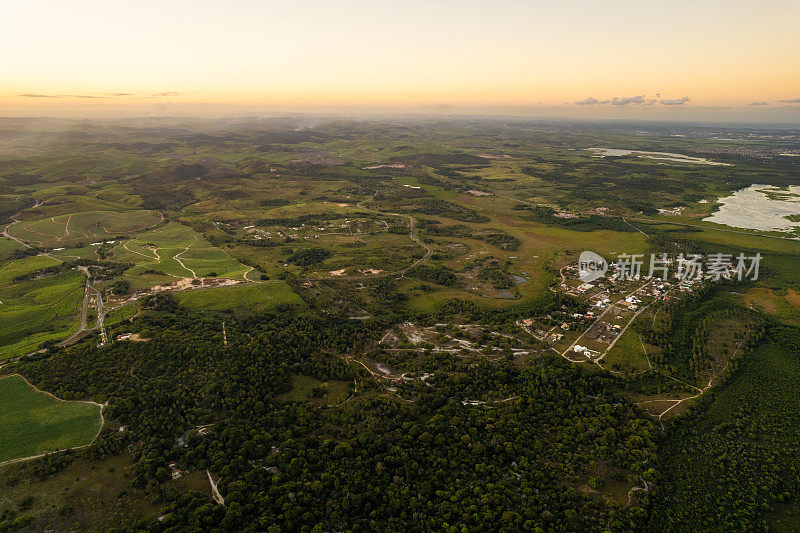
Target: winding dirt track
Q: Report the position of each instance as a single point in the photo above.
(176, 257)
(214, 490)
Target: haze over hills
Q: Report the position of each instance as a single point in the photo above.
(383, 266)
(298, 321)
(682, 62)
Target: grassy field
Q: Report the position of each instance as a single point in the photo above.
(243, 298)
(37, 310)
(176, 251)
(302, 390)
(90, 226)
(88, 495)
(34, 422)
(628, 354)
(428, 302)
(8, 245)
(784, 305)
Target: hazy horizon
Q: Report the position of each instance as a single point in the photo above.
(713, 117)
(686, 61)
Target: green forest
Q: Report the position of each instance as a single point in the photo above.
(277, 324)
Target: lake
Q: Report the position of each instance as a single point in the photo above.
(663, 156)
(759, 207)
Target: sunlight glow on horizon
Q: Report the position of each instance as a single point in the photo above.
(91, 55)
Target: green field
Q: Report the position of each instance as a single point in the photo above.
(33, 422)
(331, 392)
(628, 354)
(13, 269)
(90, 226)
(243, 298)
(7, 245)
(120, 314)
(175, 251)
(37, 310)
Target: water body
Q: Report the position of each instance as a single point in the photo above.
(519, 279)
(663, 156)
(759, 207)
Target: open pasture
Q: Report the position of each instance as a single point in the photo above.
(90, 226)
(33, 422)
(7, 246)
(39, 310)
(248, 298)
(178, 252)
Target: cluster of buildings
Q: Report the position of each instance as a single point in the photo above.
(604, 332)
(583, 350)
(174, 471)
(551, 327)
(627, 296)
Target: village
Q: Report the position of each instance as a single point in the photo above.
(613, 303)
(585, 334)
(580, 334)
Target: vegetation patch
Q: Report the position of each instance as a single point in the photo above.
(251, 298)
(38, 310)
(733, 459)
(34, 422)
(450, 210)
(92, 226)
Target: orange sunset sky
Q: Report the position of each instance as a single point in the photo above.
(692, 60)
